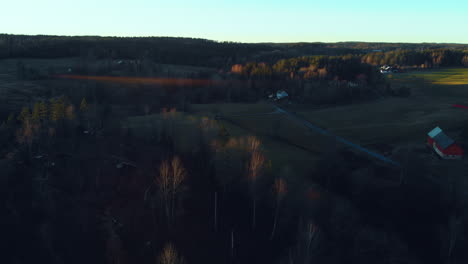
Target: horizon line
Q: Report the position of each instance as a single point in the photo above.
(240, 42)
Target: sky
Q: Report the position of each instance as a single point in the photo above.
(244, 20)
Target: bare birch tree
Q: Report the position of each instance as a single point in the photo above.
(308, 240)
(163, 183)
(253, 144)
(280, 189)
(170, 184)
(255, 169)
(178, 176)
(169, 255)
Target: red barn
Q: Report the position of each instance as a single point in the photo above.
(443, 145)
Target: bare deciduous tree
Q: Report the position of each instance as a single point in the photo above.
(70, 112)
(163, 183)
(169, 255)
(454, 228)
(253, 144)
(178, 176)
(280, 189)
(27, 133)
(308, 241)
(170, 183)
(255, 168)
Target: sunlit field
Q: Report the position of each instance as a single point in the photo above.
(454, 76)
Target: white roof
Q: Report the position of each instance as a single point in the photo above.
(281, 94)
(434, 132)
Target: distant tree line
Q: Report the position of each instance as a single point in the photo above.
(351, 67)
(315, 79)
(430, 58)
(334, 79)
(202, 52)
(185, 51)
(348, 68)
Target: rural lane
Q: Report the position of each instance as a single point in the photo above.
(324, 132)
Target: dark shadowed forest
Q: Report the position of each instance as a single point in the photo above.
(108, 154)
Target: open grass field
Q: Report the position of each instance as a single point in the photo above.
(290, 145)
(402, 120)
(281, 153)
(389, 121)
(440, 83)
(453, 76)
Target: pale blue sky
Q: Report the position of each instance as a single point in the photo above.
(244, 20)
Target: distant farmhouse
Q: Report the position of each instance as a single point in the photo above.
(281, 94)
(443, 145)
(389, 69)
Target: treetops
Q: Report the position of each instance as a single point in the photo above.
(349, 67)
(55, 110)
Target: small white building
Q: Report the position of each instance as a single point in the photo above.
(389, 69)
(281, 94)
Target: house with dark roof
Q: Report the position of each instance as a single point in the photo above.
(443, 145)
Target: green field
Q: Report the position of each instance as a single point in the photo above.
(453, 76)
(389, 121)
(280, 152)
(291, 146)
(402, 120)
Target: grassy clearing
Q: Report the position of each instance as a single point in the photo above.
(280, 145)
(231, 109)
(275, 125)
(436, 83)
(401, 120)
(453, 76)
(389, 121)
(280, 150)
(281, 153)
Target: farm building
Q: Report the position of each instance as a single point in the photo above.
(443, 145)
(279, 95)
(389, 69)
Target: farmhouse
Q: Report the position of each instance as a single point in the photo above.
(389, 69)
(279, 95)
(443, 145)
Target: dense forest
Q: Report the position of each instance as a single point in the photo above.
(202, 52)
(349, 76)
(185, 191)
(184, 51)
(431, 58)
(102, 162)
(348, 67)
(78, 177)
